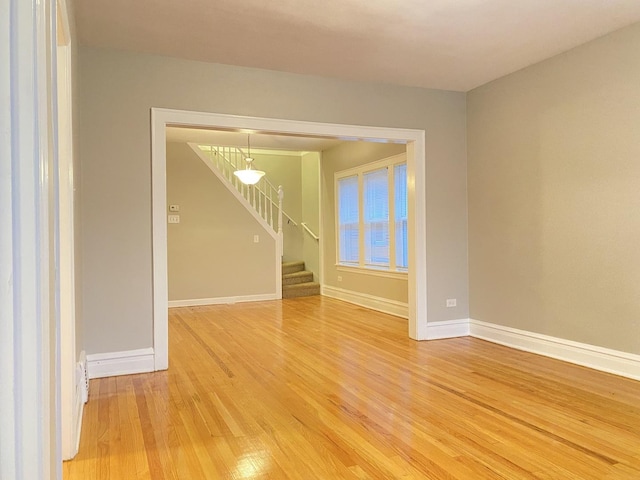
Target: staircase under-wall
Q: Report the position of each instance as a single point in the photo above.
(298, 282)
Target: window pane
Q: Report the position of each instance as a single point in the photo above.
(400, 201)
(376, 217)
(348, 220)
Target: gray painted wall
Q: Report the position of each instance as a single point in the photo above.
(117, 91)
(554, 182)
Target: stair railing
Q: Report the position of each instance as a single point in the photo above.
(310, 232)
(263, 196)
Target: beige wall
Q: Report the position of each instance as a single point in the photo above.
(554, 182)
(286, 170)
(311, 211)
(336, 159)
(117, 91)
(211, 252)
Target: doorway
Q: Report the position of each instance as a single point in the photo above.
(416, 191)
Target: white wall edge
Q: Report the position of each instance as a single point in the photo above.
(448, 329)
(77, 423)
(591, 356)
(380, 304)
(127, 362)
(159, 239)
(81, 394)
(223, 300)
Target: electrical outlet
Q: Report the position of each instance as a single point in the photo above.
(451, 302)
(339, 278)
(173, 218)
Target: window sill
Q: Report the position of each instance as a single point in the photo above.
(372, 271)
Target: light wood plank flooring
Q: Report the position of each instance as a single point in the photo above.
(314, 388)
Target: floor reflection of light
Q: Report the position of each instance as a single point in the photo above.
(252, 464)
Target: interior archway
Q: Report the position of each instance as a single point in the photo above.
(415, 140)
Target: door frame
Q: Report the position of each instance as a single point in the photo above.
(416, 192)
(29, 317)
(70, 401)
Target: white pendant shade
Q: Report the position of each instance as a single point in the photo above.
(249, 176)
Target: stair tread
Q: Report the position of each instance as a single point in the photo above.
(301, 273)
(298, 282)
(291, 267)
(292, 264)
(301, 285)
(306, 289)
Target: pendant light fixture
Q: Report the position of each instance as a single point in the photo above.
(249, 176)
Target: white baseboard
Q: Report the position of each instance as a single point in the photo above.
(223, 300)
(448, 329)
(82, 395)
(598, 358)
(110, 364)
(384, 305)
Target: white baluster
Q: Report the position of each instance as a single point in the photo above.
(280, 234)
(264, 203)
(266, 211)
(270, 206)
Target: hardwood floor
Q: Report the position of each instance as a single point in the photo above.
(314, 388)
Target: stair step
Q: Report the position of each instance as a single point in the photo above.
(292, 267)
(297, 277)
(301, 290)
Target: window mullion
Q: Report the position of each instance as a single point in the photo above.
(392, 217)
(336, 198)
(361, 219)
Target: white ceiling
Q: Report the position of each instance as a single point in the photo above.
(445, 44)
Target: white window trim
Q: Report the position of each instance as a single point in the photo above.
(359, 171)
(376, 272)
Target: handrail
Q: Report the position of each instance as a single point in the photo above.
(315, 237)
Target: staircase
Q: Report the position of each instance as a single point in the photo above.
(297, 282)
(264, 201)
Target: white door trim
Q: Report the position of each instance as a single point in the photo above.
(416, 180)
(29, 321)
(71, 407)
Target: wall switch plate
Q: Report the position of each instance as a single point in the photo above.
(256, 239)
(173, 218)
(451, 302)
(174, 208)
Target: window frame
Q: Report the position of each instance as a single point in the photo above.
(391, 271)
